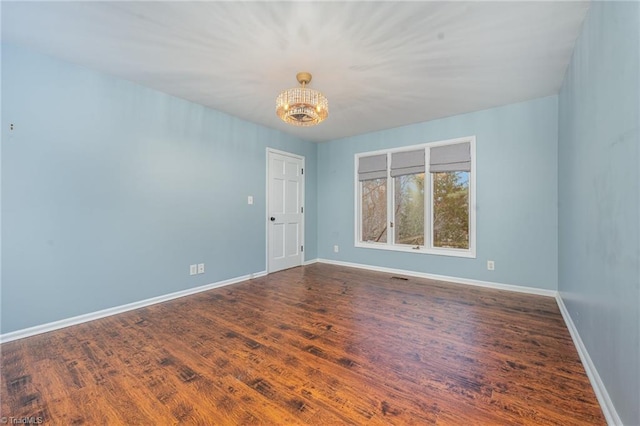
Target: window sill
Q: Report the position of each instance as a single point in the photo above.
(438, 252)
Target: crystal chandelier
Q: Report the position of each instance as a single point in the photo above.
(302, 106)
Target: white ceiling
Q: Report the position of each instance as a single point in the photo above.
(381, 65)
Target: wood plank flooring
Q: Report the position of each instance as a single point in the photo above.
(321, 345)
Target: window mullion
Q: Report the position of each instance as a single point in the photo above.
(428, 201)
(360, 221)
(391, 236)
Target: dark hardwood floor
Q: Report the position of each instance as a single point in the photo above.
(320, 345)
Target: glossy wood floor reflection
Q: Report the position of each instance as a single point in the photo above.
(321, 345)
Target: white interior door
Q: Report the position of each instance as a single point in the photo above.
(285, 211)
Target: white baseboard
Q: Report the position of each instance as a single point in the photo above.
(56, 325)
(310, 262)
(256, 275)
(608, 409)
(478, 283)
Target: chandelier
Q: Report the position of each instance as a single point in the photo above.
(302, 106)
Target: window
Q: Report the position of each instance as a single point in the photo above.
(409, 209)
(418, 199)
(451, 210)
(374, 210)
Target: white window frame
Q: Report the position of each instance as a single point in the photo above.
(426, 249)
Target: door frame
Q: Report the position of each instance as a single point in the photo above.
(302, 196)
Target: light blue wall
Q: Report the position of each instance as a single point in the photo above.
(110, 190)
(516, 150)
(599, 211)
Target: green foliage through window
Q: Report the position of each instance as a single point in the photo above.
(451, 210)
(409, 209)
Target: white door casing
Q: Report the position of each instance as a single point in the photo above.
(285, 210)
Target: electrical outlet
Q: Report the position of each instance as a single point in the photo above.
(193, 269)
(491, 265)
(201, 268)
(250, 199)
(336, 249)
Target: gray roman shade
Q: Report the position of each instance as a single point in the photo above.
(373, 167)
(407, 163)
(451, 158)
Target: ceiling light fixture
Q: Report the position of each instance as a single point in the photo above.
(302, 106)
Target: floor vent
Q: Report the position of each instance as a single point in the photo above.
(400, 278)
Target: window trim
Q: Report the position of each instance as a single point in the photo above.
(390, 244)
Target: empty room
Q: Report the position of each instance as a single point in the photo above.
(320, 213)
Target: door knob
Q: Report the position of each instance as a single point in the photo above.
(273, 219)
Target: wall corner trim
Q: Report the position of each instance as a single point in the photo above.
(608, 409)
(56, 325)
(310, 262)
(467, 281)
